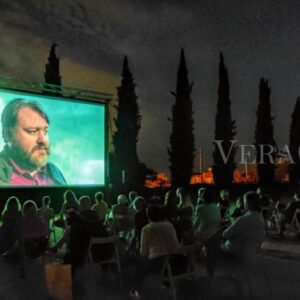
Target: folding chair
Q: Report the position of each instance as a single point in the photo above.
(247, 269)
(295, 224)
(112, 259)
(168, 274)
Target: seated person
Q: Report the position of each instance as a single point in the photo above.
(140, 220)
(237, 210)
(33, 231)
(224, 202)
(171, 206)
(121, 208)
(155, 200)
(70, 203)
(157, 241)
(101, 206)
(201, 192)
(185, 216)
(92, 224)
(45, 211)
(10, 218)
(131, 210)
(83, 225)
(171, 210)
(265, 201)
(120, 214)
(287, 215)
(207, 224)
(246, 233)
(207, 219)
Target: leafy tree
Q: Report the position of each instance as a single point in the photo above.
(294, 169)
(264, 140)
(224, 150)
(128, 123)
(182, 148)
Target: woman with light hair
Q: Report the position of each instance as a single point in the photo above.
(10, 217)
(185, 218)
(33, 231)
(32, 225)
(70, 204)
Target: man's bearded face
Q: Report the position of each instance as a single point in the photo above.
(30, 142)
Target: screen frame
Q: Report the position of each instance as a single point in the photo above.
(72, 99)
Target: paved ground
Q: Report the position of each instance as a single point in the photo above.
(277, 277)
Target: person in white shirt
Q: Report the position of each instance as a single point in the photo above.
(157, 241)
(245, 234)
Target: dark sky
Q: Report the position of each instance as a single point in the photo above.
(257, 38)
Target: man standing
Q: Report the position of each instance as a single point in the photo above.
(24, 159)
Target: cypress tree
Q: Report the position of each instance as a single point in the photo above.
(128, 123)
(52, 74)
(224, 132)
(264, 140)
(294, 168)
(182, 148)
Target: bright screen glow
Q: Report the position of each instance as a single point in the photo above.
(76, 136)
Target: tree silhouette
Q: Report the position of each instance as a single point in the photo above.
(182, 148)
(128, 123)
(264, 140)
(224, 132)
(52, 74)
(294, 168)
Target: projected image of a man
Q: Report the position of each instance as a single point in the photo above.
(24, 159)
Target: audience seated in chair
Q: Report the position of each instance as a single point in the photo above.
(287, 215)
(131, 210)
(101, 206)
(171, 210)
(155, 200)
(171, 206)
(245, 234)
(185, 216)
(70, 203)
(33, 231)
(157, 241)
(224, 202)
(208, 222)
(10, 218)
(265, 201)
(45, 211)
(140, 220)
(83, 225)
(201, 192)
(236, 210)
(120, 215)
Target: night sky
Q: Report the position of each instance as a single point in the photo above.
(258, 39)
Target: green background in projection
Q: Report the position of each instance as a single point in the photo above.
(76, 134)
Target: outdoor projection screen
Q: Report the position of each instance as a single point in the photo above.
(76, 137)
